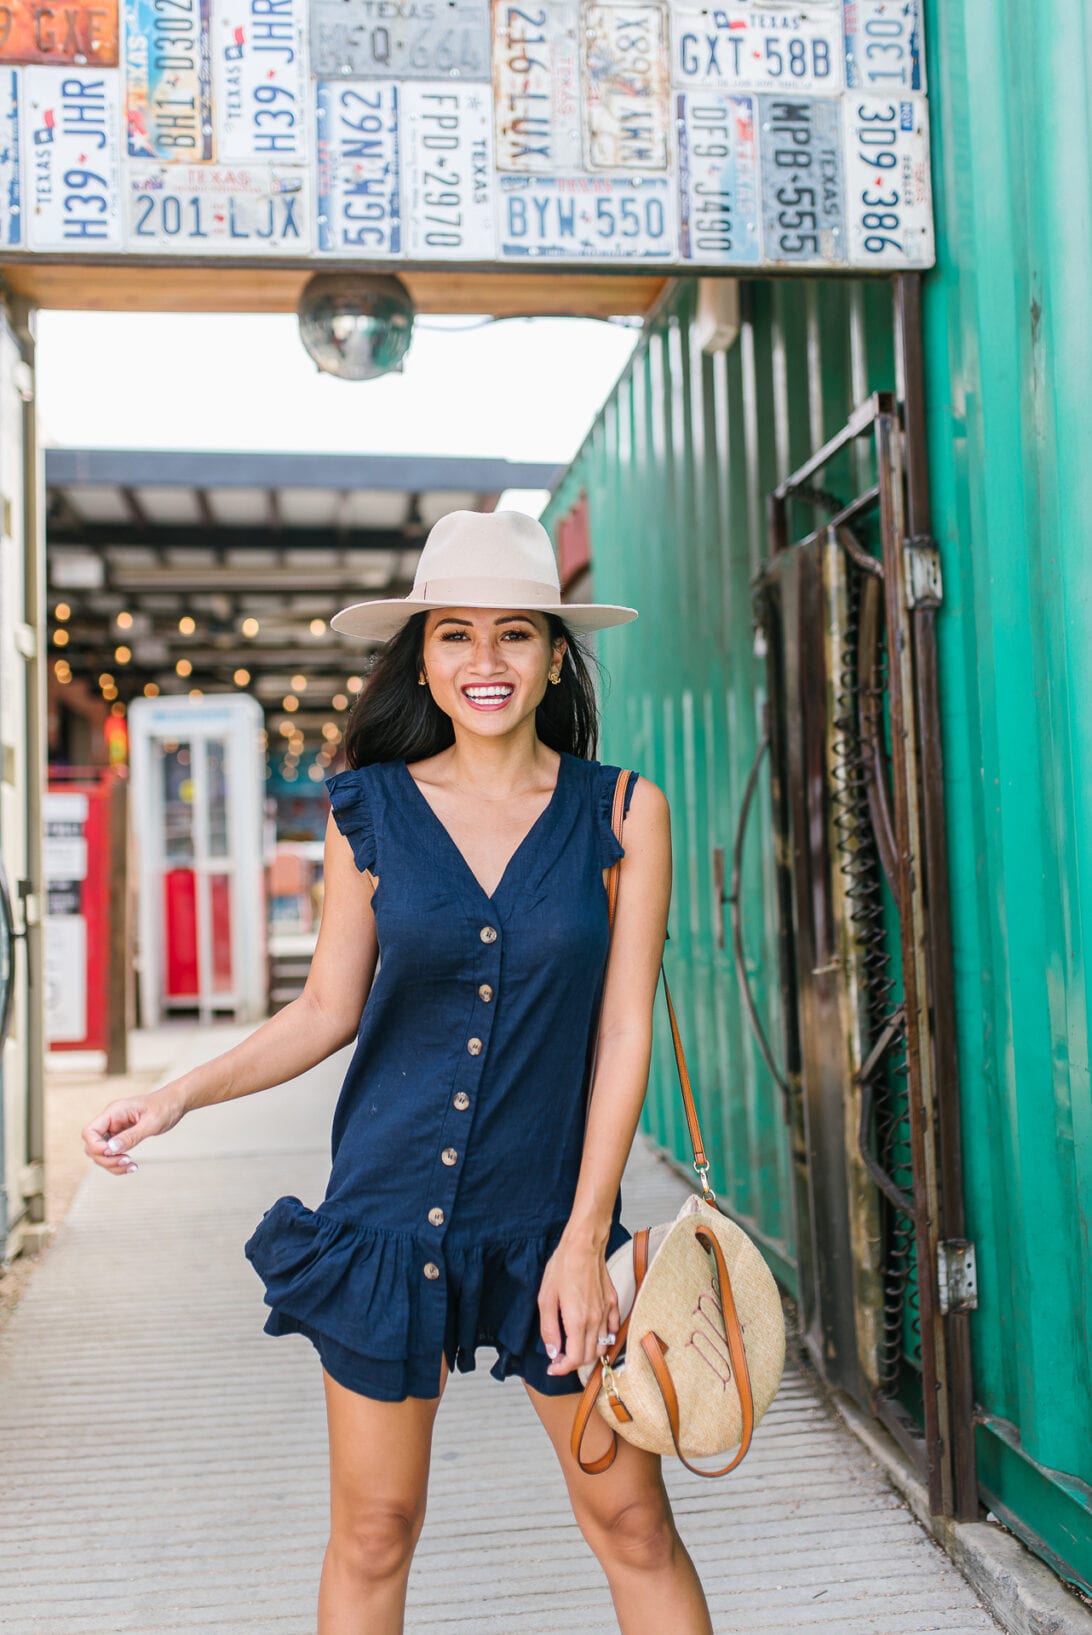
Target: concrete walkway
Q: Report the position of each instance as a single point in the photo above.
(165, 1463)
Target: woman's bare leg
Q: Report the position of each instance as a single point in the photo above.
(625, 1515)
(379, 1460)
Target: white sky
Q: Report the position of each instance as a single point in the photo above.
(522, 389)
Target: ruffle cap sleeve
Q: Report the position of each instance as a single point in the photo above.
(351, 806)
(609, 849)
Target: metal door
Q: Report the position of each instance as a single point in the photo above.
(847, 611)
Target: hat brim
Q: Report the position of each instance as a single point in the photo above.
(380, 620)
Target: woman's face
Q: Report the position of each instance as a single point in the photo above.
(487, 668)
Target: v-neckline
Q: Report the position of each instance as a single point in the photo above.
(489, 896)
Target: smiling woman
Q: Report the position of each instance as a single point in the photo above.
(480, 1135)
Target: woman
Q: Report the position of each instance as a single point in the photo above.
(474, 1193)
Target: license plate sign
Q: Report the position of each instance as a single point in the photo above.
(72, 158)
(168, 80)
(400, 39)
(883, 45)
(803, 186)
(260, 75)
(246, 210)
(40, 31)
(11, 193)
(718, 178)
(536, 87)
(577, 218)
(626, 88)
(760, 48)
(359, 207)
(448, 150)
(887, 182)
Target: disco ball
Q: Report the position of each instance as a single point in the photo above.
(356, 325)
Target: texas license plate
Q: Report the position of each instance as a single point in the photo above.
(536, 86)
(883, 45)
(359, 207)
(72, 32)
(400, 39)
(168, 80)
(718, 178)
(626, 87)
(803, 189)
(72, 158)
(220, 209)
(448, 171)
(887, 182)
(578, 218)
(11, 193)
(761, 47)
(260, 77)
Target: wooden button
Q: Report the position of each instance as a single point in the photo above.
(488, 933)
(485, 992)
(474, 1046)
(436, 1216)
(449, 1156)
(461, 1100)
(432, 1271)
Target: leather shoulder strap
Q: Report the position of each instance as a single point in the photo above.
(693, 1124)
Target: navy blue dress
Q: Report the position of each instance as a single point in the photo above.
(458, 1132)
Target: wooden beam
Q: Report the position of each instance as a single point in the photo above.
(122, 287)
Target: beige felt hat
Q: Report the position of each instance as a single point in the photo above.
(481, 559)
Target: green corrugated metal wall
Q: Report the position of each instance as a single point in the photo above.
(1008, 363)
(676, 469)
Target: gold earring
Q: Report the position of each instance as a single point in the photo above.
(555, 676)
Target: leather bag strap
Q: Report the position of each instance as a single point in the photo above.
(656, 1352)
(693, 1124)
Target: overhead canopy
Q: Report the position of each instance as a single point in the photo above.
(285, 539)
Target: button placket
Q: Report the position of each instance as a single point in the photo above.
(455, 1130)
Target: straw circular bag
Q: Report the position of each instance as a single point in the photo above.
(701, 1347)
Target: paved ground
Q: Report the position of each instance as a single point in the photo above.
(165, 1466)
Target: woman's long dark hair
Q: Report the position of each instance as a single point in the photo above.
(395, 719)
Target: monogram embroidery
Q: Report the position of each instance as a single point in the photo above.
(707, 1338)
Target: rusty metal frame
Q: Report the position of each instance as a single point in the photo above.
(920, 888)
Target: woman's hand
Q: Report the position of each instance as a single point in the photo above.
(109, 1137)
(576, 1296)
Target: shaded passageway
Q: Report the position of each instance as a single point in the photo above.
(179, 1459)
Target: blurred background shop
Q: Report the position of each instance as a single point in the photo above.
(195, 677)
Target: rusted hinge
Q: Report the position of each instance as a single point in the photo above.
(924, 584)
(957, 1278)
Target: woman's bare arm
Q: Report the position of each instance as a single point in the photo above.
(576, 1280)
(323, 1019)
